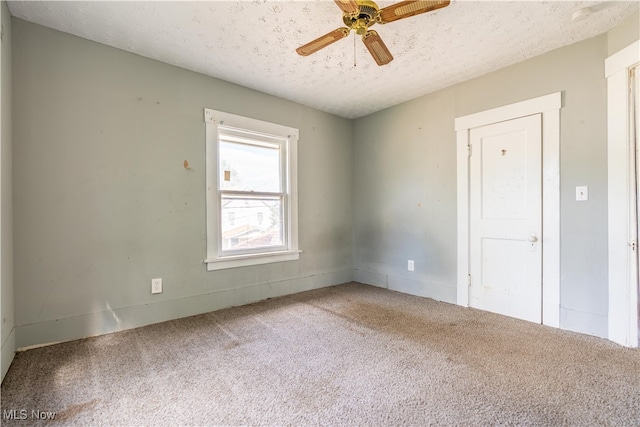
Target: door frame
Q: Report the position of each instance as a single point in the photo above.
(623, 274)
(549, 107)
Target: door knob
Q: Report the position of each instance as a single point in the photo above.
(533, 238)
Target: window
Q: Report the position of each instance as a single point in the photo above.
(251, 191)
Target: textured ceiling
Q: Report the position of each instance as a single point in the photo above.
(252, 43)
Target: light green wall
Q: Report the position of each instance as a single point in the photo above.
(103, 202)
(6, 214)
(405, 177)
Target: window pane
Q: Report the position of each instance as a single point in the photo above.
(257, 223)
(247, 167)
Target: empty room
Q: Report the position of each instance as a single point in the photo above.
(288, 212)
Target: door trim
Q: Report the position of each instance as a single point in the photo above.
(549, 106)
(623, 282)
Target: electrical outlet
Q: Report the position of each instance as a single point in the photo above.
(156, 286)
(410, 265)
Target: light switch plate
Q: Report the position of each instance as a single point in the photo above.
(582, 193)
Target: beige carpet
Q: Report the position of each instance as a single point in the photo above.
(349, 355)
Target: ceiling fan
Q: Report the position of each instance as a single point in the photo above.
(359, 15)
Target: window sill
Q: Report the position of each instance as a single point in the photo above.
(252, 259)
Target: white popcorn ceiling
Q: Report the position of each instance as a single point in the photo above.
(252, 43)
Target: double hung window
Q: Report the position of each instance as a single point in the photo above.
(251, 191)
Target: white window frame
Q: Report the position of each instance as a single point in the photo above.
(216, 259)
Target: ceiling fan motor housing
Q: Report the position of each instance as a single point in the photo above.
(365, 17)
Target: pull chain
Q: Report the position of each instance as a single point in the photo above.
(354, 50)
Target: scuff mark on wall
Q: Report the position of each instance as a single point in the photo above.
(52, 284)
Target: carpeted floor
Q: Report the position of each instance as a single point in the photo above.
(348, 355)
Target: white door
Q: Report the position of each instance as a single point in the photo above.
(505, 224)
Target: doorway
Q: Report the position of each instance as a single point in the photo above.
(508, 210)
(622, 155)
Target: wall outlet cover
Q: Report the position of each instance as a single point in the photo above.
(156, 286)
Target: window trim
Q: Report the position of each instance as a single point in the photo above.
(291, 251)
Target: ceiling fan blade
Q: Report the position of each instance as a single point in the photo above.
(323, 41)
(347, 6)
(377, 48)
(405, 9)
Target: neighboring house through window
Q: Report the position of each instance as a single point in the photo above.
(251, 191)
